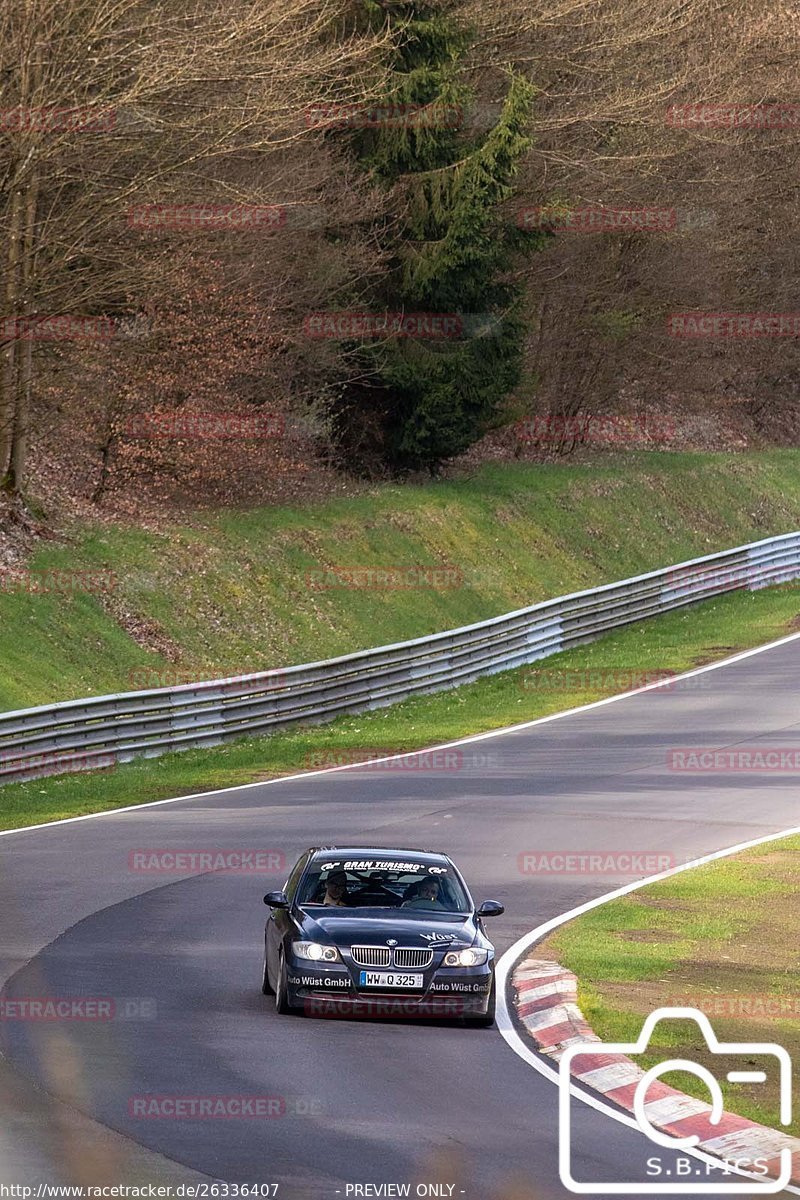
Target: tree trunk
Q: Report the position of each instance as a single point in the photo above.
(8, 355)
(24, 374)
(105, 467)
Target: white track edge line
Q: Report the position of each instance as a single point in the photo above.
(465, 741)
(503, 1021)
(507, 961)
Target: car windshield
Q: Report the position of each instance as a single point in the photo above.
(411, 886)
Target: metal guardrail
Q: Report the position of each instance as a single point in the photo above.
(87, 734)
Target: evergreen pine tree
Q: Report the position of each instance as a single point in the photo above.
(450, 252)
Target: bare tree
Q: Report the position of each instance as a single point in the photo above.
(608, 73)
(108, 104)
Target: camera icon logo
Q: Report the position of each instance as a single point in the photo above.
(643, 1112)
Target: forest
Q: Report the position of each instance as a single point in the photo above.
(257, 249)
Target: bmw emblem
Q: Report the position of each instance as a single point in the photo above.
(391, 941)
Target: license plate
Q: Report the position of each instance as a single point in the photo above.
(391, 979)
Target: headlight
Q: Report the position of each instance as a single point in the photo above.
(466, 958)
(316, 952)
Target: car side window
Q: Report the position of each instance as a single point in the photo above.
(294, 878)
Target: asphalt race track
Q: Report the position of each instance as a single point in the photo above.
(365, 1102)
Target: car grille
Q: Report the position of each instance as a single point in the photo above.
(410, 957)
(383, 956)
(371, 956)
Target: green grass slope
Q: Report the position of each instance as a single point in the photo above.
(236, 592)
(721, 939)
(626, 658)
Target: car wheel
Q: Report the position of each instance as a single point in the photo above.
(485, 1021)
(266, 986)
(282, 989)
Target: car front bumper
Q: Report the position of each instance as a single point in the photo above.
(328, 991)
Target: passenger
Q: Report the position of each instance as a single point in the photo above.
(336, 890)
(427, 896)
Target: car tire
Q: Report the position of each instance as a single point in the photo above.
(282, 990)
(266, 986)
(487, 1019)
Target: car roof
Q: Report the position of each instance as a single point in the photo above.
(379, 852)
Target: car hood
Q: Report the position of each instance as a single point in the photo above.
(423, 929)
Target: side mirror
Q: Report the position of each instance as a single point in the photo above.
(490, 908)
(276, 900)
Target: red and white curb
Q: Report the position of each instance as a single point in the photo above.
(546, 999)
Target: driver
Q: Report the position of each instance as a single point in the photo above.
(427, 896)
(336, 889)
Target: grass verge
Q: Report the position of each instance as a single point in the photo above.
(671, 643)
(720, 938)
(247, 591)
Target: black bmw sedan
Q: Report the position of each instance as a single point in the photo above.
(371, 931)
